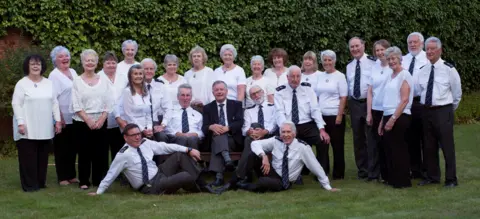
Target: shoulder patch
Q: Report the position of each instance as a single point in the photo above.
(143, 141)
(281, 87)
(270, 104)
(306, 84)
(123, 149)
(158, 80)
(422, 66)
(373, 58)
(449, 64)
(278, 138)
(251, 107)
(303, 142)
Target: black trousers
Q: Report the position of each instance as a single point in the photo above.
(92, 153)
(65, 151)
(115, 141)
(247, 149)
(376, 151)
(358, 115)
(271, 182)
(177, 172)
(309, 133)
(396, 152)
(337, 140)
(438, 129)
(191, 141)
(33, 162)
(415, 142)
(221, 143)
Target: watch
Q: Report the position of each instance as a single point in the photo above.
(394, 117)
(189, 149)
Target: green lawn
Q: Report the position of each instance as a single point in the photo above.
(356, 199)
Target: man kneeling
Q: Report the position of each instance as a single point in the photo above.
(289, 155)
(135, 160)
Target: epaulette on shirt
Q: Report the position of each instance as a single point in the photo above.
(422, 66)
(306, 84)
(281, 87)
(449, 64)
(251, 107)
(270, 104)
(158, 80)
(123, 149)
(303, 142)
(278, 138)
(143, 140)
(373, 58)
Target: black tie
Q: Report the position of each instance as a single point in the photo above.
(295, 117)
(260, 116)
(285, 174)
(429, 95)
(356, 85)
(144, 168)
(221, 118)
(412, 65)
(185, 127)
(151, 104)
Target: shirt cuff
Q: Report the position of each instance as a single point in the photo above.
(20, 122)
(327, 187)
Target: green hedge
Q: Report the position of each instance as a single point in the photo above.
(254, 27)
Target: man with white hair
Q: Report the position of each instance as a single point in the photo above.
(413, 61)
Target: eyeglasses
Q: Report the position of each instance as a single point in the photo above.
(256, 92)
(134, 134)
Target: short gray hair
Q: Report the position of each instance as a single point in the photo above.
(356, 38)
(229, 47)
(170, 58)
(328, 53)
(257, 58)
(55, 51)
(88, 52)
(292, 68)
(418, 34)
(198, 49)
(291, 124)
(434, 40)
(127, 42)
(184, 86)
(220, 82)
(145, 60)
(255, 86)
(394, 51)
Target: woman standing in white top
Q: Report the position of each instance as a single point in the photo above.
(200, 78)
(332, 98)
(171, 79)
(119, 82)
(232, 74)
(376, 151)
(129, 50)
(310, 70)
(34, 102)
(257, 64)
(397, 101)
(92, 101)
(62, 78)
(277, 74)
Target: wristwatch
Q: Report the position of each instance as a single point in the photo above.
(189, 149)
(394, 117)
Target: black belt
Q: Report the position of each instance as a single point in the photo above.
(151, 181)
(360, 100)
(416, 99)
(437, 107)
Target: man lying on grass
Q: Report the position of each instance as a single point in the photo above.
(180, 170)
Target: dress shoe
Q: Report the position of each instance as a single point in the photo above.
(427, 182)
(242, 185)
(229, 166)
(451, 184)
(299, 180)
(218, 182)
(209, 189)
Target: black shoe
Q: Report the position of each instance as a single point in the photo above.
(299, 180)
(427, 182)
(451, 184)
(416, 175)
(372, 180)
(242, 185)
(218, 182)
(209, 189)
(229, 166)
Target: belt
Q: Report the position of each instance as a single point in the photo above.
(437, 107)
(416, 99)
(360, 100)
(151, 181)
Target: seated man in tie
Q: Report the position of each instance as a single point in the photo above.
(185, 125)
(289, 155)
(259, 124)
(135, 160)
(222, 125)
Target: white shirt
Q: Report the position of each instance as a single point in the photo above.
(377, 81)
(420, 60)
(366, 64)
(274, 79)
(119, 84)
(299, 155)
(195, 121)
(128, 160)
(232, 78)
(308, 108)
(312, 79)
(63, 87)
(172, 88)
(330, 87)
(224, 111)
(201, 82)
(137, 109)
(94, 100)
(250, 116)
(447, 87)
(123, 67)
(162, 105)
(392, 96)
(33, 105)
(262, 83)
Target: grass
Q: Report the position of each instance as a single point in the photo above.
(356, 199)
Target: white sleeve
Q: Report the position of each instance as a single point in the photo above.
(77, 104)
(167, 107)
(128, 105)
(108, 100)
(263, 146)
(279, 109)
(161, 148)
(456, 86)
(17, 103)
(246, 122)
(269, 89)
(241, 78)
(55, 106)
(312, 164)
(315, 110)
(343, 87)
(116, 167)
(198, 128)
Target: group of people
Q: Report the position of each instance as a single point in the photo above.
(401, 111)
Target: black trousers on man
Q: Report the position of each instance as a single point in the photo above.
(376, 149)
(358, 115)
(309, 133)
(414, 138)
(438, 129)
(65, 151)
(247, 150)
(33, 162)
(337, 140)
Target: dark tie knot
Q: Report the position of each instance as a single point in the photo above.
(294, 90)
(358, 62)
(184, 109)
(221, 105)
(260, 106)
(149, 86)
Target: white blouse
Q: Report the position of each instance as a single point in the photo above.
(123, 67)
(274, 79)
(33, 106)
(232, 78)
(137, 109)
(94, 100)
(392, 96)
(63, 88)
(331, 86)
(201, 82)
(119, 84)
(264, 84)
(377, 81)
(172, 88)
(311, 79)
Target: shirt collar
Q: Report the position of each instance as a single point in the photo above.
(438, 63)
(224, 102)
